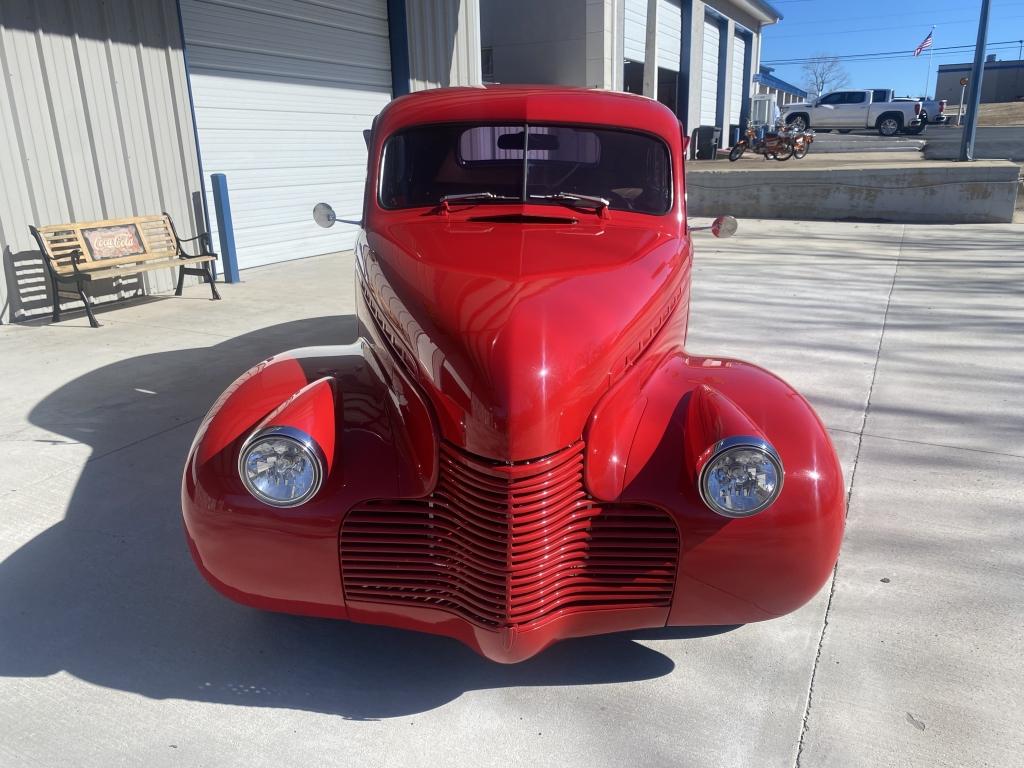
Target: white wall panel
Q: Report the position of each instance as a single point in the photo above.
(283, 90)
(709, 74)
(523, 52)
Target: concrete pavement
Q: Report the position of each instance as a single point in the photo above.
(905, 338)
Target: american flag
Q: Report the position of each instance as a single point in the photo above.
(925, 45)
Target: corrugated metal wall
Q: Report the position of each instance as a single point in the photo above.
(444, 43)
(94, 123)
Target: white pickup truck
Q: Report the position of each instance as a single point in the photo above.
(853, 110)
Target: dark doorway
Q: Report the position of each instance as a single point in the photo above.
(633, 82)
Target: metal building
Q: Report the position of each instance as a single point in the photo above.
(704, 53)
(94, 123)
(118, 108)
(1002, 81)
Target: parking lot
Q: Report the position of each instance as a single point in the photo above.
(113, 651)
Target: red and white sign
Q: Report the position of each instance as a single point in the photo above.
(113, 242)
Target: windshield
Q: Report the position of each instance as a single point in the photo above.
(423, 165)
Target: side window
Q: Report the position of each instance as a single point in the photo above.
(856, 98)
(833, 98)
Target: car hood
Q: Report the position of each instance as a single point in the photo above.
(515, 329)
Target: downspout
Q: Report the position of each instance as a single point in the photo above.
(195, 128)
(398, 36)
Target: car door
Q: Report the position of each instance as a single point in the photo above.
(853, 112)
(824, 112)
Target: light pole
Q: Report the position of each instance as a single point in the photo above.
(974, 100)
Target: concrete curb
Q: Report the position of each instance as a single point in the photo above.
(979, 192)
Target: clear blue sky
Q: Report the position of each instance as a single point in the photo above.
(838, 27)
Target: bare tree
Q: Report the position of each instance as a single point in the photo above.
(824, 73)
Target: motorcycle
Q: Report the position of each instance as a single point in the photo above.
(802, 142)
(778, 145)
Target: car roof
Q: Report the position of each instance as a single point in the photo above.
(530, 103)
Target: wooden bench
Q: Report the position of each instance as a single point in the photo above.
(83, 251)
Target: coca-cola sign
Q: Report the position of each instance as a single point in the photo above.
(113, 242)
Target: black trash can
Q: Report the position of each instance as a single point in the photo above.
(704, 142)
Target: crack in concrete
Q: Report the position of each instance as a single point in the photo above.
(947, 446)
(133, 443)
(849, 495)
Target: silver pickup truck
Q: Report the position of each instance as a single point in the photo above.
(853, 110)
(933, 111)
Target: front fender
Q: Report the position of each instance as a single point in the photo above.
(643, 443)
(287, 559)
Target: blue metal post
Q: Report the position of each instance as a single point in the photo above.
(225, 230)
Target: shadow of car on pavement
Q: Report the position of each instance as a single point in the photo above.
(111, 595)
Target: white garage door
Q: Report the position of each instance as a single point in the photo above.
(669, 32)
(282, 91)
(670, 22)
(709, 74)
(634, 30)
(739, 66)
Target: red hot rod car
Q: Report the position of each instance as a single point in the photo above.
(518, 448)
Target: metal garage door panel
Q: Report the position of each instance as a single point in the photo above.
(670, 22)
(282, 91)
(709, 74)
(669, 32)
(739, 66)
(634, 30)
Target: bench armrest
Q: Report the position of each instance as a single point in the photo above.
(205, 246)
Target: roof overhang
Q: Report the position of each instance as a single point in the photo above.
(760, 10)
(781, 85)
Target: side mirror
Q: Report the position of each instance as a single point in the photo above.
(723, 226)
(323, 215)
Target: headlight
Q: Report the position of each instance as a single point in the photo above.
(742, 477)
(281, 466)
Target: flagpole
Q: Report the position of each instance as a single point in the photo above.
(931, 52)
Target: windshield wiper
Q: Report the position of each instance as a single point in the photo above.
(475, 196)
(571, 198)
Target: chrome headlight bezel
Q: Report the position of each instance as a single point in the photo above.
(724, 447)
(304, 443)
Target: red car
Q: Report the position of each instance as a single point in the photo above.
(518, 447)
